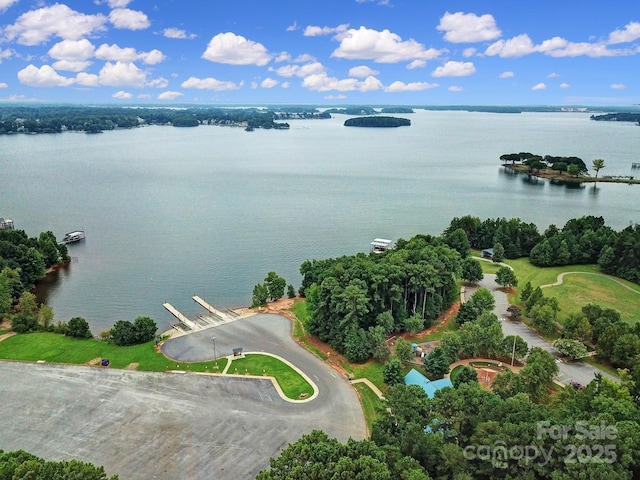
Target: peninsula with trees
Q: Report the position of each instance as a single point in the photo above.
(560, 169)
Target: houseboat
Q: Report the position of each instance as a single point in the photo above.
(73, 237)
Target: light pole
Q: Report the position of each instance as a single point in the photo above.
(214, 349)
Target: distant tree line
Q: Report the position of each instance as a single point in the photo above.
(59, 118)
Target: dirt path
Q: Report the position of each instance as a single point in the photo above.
(561, 276)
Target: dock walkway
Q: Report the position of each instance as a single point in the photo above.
(224, 316)
(189, 323)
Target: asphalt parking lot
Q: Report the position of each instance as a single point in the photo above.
(143, 425)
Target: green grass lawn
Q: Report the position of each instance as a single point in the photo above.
(371, 370)
(56, 348)
(579, 290)
(291, 382)
(300, 327)
(371, 404)
(455, 372)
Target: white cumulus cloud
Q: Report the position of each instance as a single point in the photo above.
(72, 50)
(3, 85)
(87, 79)
(37, 26)
(630, 33)
(234, 49)
(269, 83)
(618, 86)
(455, 88)
(409, 87)
(507, 74)
(122, 95)
(564, 85)
(169, 95)
(381, 47)
(209, 84)
(313, 31)
(4, 4)
(321, 82)
(126, 19)
(454, 69)
(128, 54)
(44, 76)
(177, 33)
(362, 71)
(122, 74)
(417, 64)
(468, 27)
(299, 70)
(539, 86)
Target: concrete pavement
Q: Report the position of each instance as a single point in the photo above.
(143, 425)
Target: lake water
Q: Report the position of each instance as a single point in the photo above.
(170, 213)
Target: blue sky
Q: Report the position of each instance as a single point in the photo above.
(561, 52)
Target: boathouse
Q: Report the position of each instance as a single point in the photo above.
(380, 245)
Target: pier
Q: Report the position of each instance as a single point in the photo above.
(635, 165)
(184, 320)
(225, 317)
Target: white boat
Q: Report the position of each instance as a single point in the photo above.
(73, 237)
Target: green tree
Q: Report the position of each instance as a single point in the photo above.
(145, 329)
(578, 327)
(597, 164)
(403, 350)
(291, 291)
(414, 324)
(436, 363)
(573, 170)
(378, 343)
(466, 375)
(514, 345)
(123, 333)
(275, 285)
(538, 373)
(506, 277)
(507, 384)
(498, 252)
(79, 328)
(626, 350)
(459, 241)
(357, 346)
(543, 318)
(483, 299)
(21, 465)
(260, 295)
(471, 270)
(45, 317)
(393, 372)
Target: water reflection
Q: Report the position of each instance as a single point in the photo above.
(47, 287)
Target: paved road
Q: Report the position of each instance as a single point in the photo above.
(157, 425)
(576, 371)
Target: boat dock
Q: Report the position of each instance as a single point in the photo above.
(214, 318)
(225, 317)
(184, 320)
